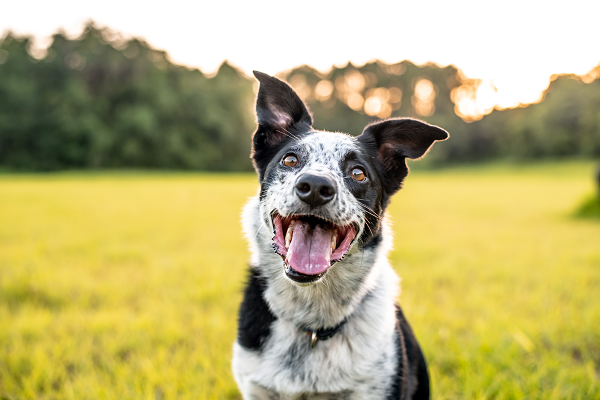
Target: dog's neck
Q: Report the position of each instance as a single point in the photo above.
(327, 303)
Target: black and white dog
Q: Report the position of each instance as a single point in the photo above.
(319, 318)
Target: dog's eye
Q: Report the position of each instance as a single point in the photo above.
(290, 160)
(358, 174)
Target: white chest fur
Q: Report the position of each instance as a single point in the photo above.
(359, 362)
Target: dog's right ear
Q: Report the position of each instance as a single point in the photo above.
(281, 116)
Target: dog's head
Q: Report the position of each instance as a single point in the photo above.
(324, 194)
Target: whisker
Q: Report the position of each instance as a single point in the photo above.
(369, 210)
(288, 134)
(291, 134)
(372, 214)
(258, 230)
(368, 226)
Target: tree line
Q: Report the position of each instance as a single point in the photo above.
(98, 101)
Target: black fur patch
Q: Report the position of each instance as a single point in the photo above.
(264, 153)
(412, 383)
(282, 117)
(393, 140)
(373, 241)
(370, 194)
(254, 317)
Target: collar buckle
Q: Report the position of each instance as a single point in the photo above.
(321, 334)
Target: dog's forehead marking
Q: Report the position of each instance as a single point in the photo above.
(328, 147)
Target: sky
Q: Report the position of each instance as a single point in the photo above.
(513, 46)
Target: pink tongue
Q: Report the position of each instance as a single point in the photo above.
(310, 250)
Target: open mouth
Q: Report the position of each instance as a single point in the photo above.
(310, 245)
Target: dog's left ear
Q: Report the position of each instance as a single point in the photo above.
(394, 140)
(281, 116)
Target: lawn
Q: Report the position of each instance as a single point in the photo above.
(126, 285)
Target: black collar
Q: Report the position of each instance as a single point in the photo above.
(322, 334)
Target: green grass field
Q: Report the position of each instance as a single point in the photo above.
(126, 286)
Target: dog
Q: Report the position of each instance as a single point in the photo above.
(319, 318)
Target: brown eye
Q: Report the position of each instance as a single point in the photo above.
(290, 160)
(358, 174)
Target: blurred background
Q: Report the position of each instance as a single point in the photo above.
(125, 131)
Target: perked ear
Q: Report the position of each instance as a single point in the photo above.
(394, 140)
(277, 105)
(281, 115)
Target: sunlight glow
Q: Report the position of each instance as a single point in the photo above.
(299, 84)
(474, 100)
(592, 75)
(397, 69)
(323, 90)
(355, 101)
(355, 81)
(515, 52)
(424, 97)
(395, 97)
(424, 90)
(373, 105)
(377, 102)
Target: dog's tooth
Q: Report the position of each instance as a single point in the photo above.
(289, 234)
(333, 242)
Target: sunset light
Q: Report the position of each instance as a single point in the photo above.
(514, 53)
(214, 199)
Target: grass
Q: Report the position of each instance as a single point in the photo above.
(590, 207)
(127, 285)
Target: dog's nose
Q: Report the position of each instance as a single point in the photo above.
(315, 190)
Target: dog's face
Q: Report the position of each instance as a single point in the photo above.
(323, 194)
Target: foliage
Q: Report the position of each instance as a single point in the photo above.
(362, 95)
(125, 286)
(589, 208)
(98, 102)
(565, 124)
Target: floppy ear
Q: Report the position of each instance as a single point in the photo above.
(394, 140)
(281, 116)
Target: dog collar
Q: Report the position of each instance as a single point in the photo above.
(321, 334)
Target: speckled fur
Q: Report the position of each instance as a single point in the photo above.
(360, 361)
(374, 355)
(321, 153)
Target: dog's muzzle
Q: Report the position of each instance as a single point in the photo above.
(314, 189)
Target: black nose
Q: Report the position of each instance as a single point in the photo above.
(315, 190)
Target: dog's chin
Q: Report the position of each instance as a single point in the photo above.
(301, 279)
